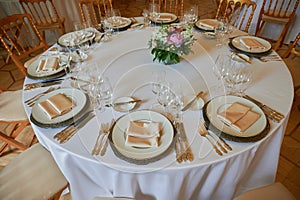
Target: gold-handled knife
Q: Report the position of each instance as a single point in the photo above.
(187, 106)
(122, 103)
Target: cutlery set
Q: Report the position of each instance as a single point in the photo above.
(269, 112)
(219, 143)
(182, 146)
(66, 134)
(101, 141)
(30, 86)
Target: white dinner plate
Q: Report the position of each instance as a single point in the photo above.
(236, 42)
(124, 107)
(171, 16)
(125, 22)
(119, 131)
(77, 96)
(33, 73)
(76, 38)
(220, 103)
(199, 25)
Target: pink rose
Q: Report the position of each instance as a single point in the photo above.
(175, 39)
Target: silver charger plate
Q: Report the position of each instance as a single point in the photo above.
(75, 38)
(40, 118)
(160, 20)
(144, 155)
(34, 74)
(255, 132)
(236, 42)
(125, 23)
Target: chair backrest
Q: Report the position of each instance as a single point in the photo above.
(279, 8)
(171, 6)
(238, 12)
(92, 10)
(43, 12)
(20, 38)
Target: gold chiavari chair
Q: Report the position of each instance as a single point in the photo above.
(13, 118)
(44, 15)
(238, 12)
(292, 47)
(279, 12)
(171, 6)
(21, 38)
(92, 10)
(33, 174)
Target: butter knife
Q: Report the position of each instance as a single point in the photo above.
(187, 106)
(122, 103)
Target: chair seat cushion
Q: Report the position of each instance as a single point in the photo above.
(31, 175)
(11, 107)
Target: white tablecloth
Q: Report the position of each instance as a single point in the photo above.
(128, 63)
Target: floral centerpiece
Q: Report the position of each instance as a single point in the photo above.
(168, 43)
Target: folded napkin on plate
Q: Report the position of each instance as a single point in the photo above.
(165, 17)
(251, 44)
(48, 64)
(142, 134)
(239, 116)
(209, 23)
(57, 105)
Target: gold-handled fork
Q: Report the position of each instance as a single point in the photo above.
(204, 133)
(99, 139)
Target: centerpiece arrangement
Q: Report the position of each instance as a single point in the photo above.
(168, 43)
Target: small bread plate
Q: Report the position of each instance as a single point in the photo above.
(236, 42)
(33, 73)
(122, 24)
(200, 24)
(76, 38)
(197, 105)
(144, 155)
(40, 118)
(124, 107)
(255, 132)
(165, 18)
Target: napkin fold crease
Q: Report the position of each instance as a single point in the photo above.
(142, 134)
(57, 105)
(239, 116)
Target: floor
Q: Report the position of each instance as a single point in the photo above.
(289, 163)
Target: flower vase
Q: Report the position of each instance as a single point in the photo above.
(166, 57)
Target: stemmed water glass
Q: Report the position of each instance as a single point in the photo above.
(154, 11)
(238, 78)
(221, 69)
(114, 17)
(191, 14)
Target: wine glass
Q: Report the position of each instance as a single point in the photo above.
(114, 17)
(154, 11)
(165, 94)
(221, 69)
(238, 78)
(191, 14)
(146, 17)
(159, 77)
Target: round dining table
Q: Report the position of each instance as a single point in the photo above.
(127, 61)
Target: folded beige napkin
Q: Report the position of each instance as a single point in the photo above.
(239, 116)
(57, 105)
(251, 44)
(142, 134)
(48, 64)
(165, 17)
(209, 23)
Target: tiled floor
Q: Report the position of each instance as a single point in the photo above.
(289, 164)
